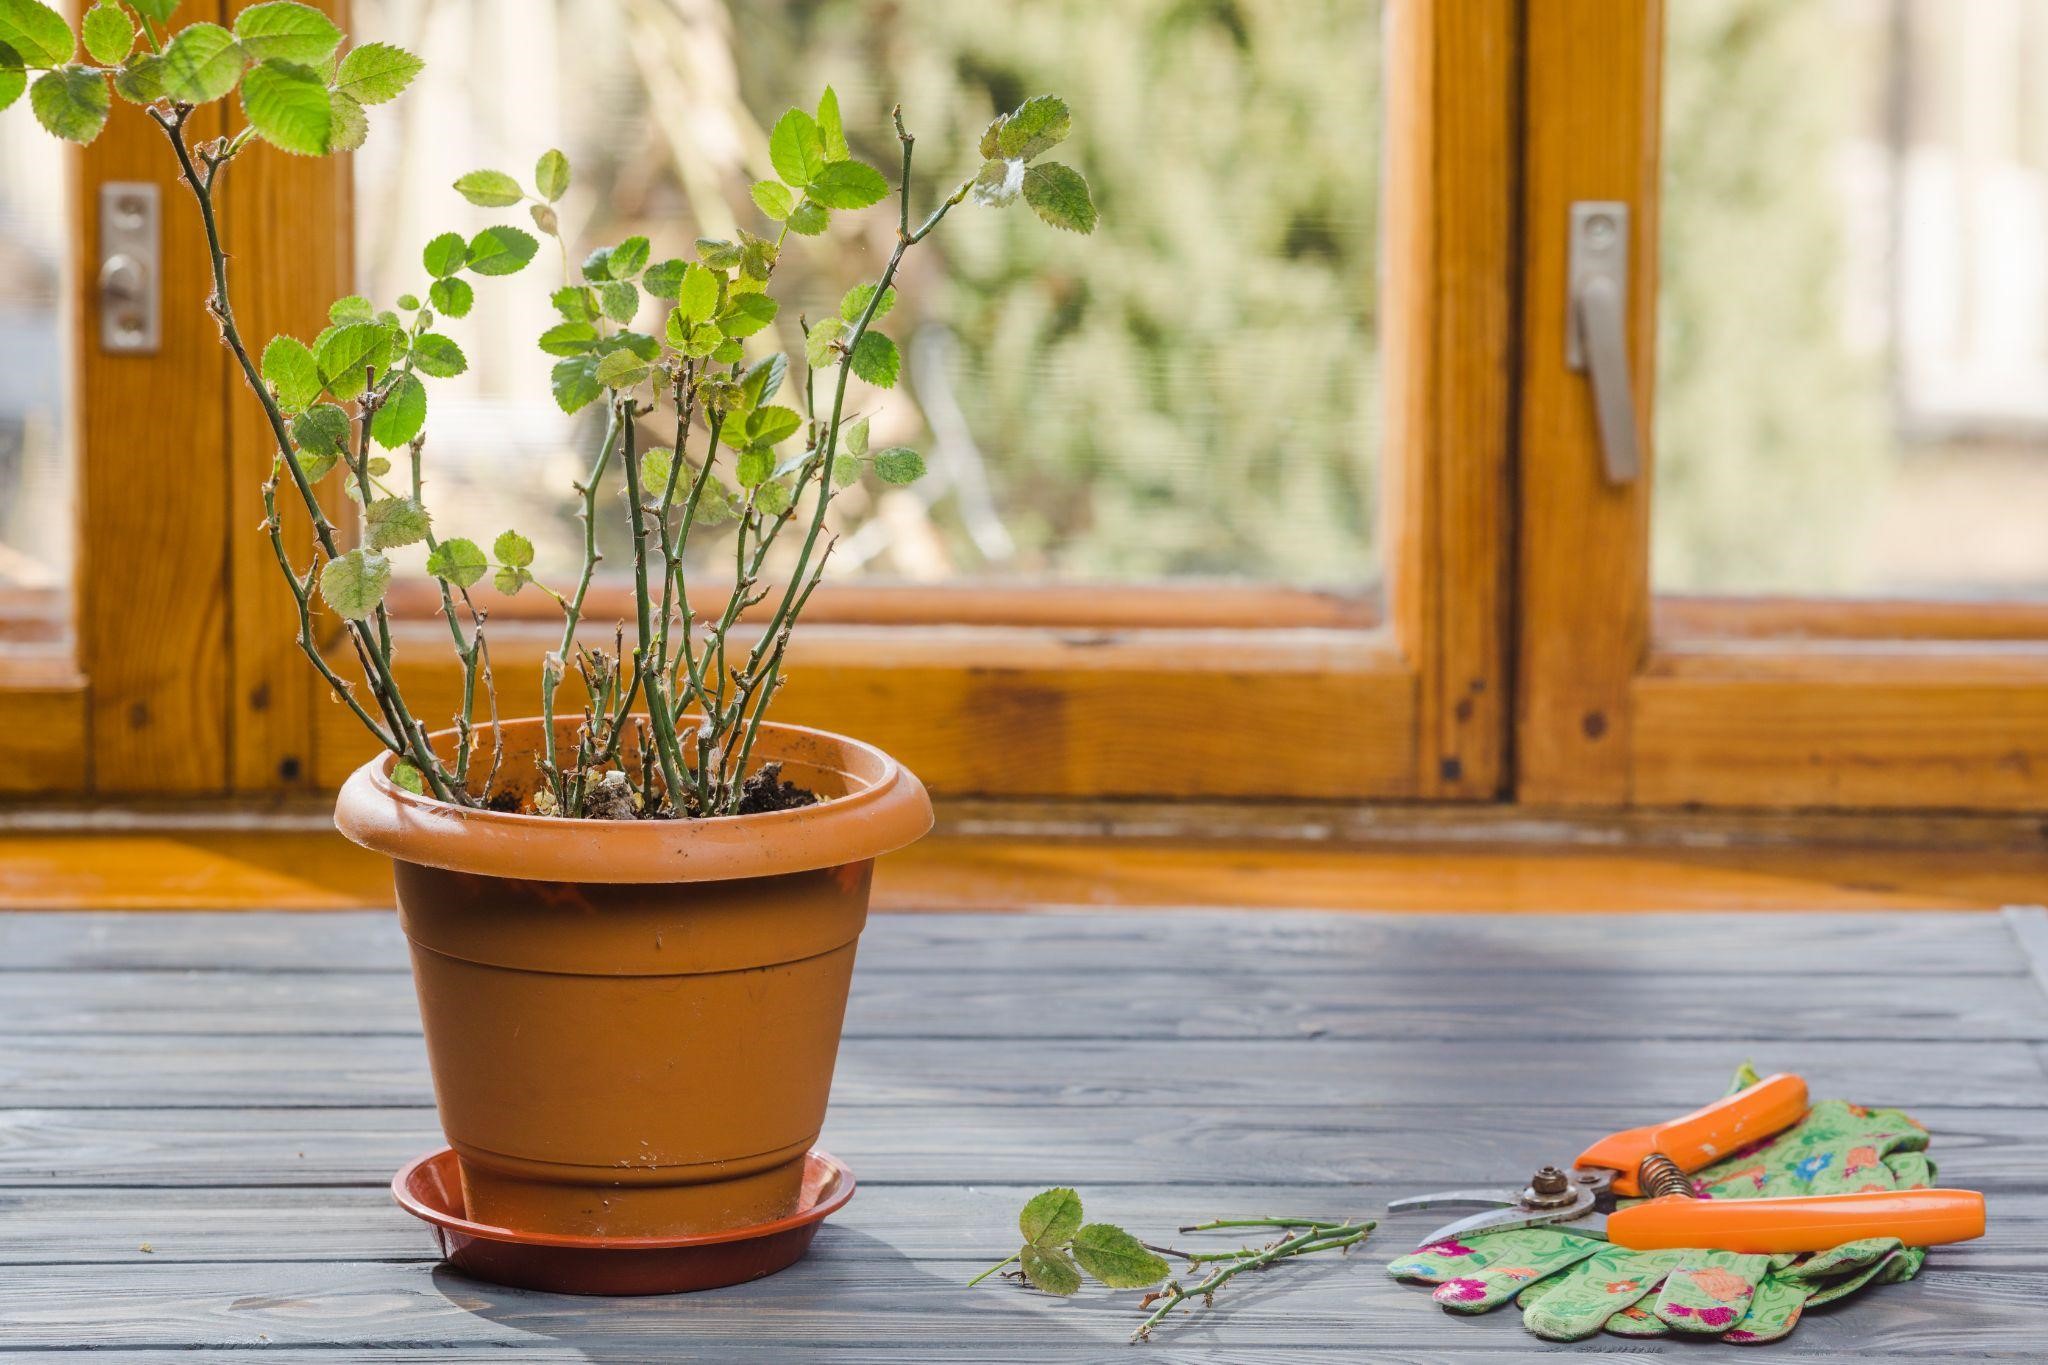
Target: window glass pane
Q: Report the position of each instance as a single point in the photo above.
(36, 524)
(1852, 388)
(1189, 393)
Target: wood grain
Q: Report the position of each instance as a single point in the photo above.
(49, 744)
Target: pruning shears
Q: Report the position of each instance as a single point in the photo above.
(1655, 1162)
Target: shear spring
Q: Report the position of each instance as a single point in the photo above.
(1660, 1176)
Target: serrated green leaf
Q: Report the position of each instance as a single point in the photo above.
(351, 126)
(445, 255)
(405, 775)
(773, 199)
(574, 383)
(731, 351)
(856, 301)
(391, 522)
(639, 343)
(714, 505)
(845, 471)
(282, 30)
(818, 352)
(664, 279)
(321, 431)
(201, 64)
(351, 308)
(628, 258)
(619, 299)
(597, 266)
(992, 136)
(773, 498)
(757, 256)
(551, 175)
(158, 10)
(37, 33)
(376, 72)
(354, 584)
(459, 561)
(853, 437)
(289, 370)
(452, 298)
(512, 548)
(717, 254)
(509, 580)
(1050, 1217)
(771, 425)
(621, 370)
(501, 251)
(796, 149)
(346, 352)
(1059, 195)
(408, 303)
(141, 81)
(848, 185)
(403, 414)
(71, 102)
(656, 464)
(998, 183)
(763, 379)
(1050, 1271)
(876, 360)
(438, 356)
(792, 461)
(899, 464)
(568, 338)
(809, 218)
(697, 341)
(832, 132)
(489, 189)
(576, 303)
(1116, 1258)
(755, 465)
(697, 294)
(289, 106)
(746, 314)
(1037, 125)
(108, 35)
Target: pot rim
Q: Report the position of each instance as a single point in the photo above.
(886, 810)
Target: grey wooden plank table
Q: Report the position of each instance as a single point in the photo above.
(199, 1114)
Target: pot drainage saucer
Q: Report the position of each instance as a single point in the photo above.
(431, 1189)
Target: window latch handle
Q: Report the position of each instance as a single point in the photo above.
(1596, 331)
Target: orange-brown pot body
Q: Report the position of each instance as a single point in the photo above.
(638, 1057)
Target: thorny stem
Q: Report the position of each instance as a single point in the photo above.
(993, 1269)
(647, 666)
(1311, 1238)
(572, 610)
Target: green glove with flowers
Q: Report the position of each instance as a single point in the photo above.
(1571, 1287)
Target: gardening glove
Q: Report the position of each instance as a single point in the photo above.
(1571, 1287)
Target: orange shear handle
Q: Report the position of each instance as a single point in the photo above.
(1704, 1136)
(1919, 1218)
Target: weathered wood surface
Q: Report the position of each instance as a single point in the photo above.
(232, 1092)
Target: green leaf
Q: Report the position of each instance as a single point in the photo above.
(655, 466)
(321, 431)
(773, 498)
(639, 343)
(575, 303)
(352, 308)
(354, 584)
(818, 352)
(71, 102)
(404, 774)
(697, 294)
(619, 299)
(796, 148)
(731, 351)
(1116, 1258)
(158, 10)
(856, 301)
(597, 266)
(445, 255)
(809, 219)
(501, 251)
(202, 63)
(1059, 195)
(459, 561)
(574, 383)
(141, 81)
(438, 356)
(489, 189)
(664, 279)
(514, 549)
(621, 370)
(391, 522)
(1050, 1270)
(757, 256)
(627, 259)
(344, 353)
(746, 314)
(845, 471)
(376, 72)
(719, 255)
(771, 425)
(992, 136)
(109, 37)
(1050, 1217)
(351, 126)
(452, 298)
(37, 33)
(830, 130)
(774, 199)
(899, 464)
(853, 437)
(403, 415)
(568, 338)
(755, 465)
(1038, 124)
(289, 369)
(763, 379)
(848, 185)
(408, 303)
(510, 581)
(289, 106)
(998, 183)
(286, 31)
(551, 175)
(715, 505)
(876, 360)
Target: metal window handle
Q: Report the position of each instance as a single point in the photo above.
(1596, 330)
(130, 287)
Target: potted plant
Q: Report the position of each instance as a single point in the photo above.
(633, 923)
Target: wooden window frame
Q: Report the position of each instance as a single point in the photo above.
(185, 681)
(1628, 699)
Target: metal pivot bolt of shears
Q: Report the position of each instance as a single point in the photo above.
(1655, 1163)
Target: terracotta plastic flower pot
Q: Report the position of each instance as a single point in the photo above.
(632, 1024)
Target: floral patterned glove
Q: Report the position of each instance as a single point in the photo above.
(1571, 1287)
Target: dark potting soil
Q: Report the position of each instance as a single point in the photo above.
(765, 791)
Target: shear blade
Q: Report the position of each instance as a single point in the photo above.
(1576, 1217)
